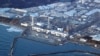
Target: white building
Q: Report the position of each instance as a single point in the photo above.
(82, 1)
(97, 1)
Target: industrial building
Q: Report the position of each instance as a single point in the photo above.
(59, 22)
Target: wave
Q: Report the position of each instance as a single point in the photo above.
(14, 29)
(3, 24)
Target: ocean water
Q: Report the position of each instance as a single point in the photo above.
(28, 3)
(24, 3)
(24, 47)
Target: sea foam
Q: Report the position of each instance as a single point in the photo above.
(3, 24)
(14, 29)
